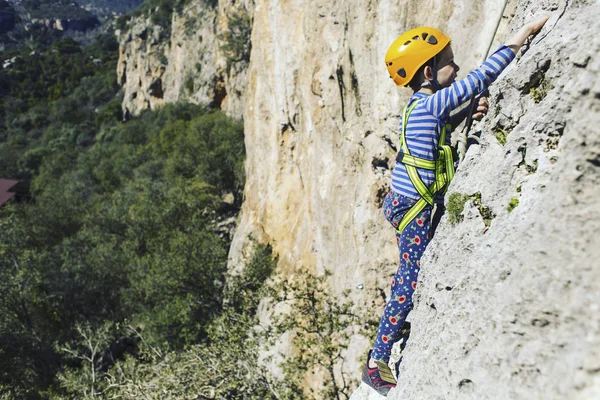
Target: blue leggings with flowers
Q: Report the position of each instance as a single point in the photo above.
(411, 244)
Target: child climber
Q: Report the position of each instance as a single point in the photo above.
(422, 58)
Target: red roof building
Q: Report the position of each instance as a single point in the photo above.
(5, 185)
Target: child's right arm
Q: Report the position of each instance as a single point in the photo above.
(445, 100)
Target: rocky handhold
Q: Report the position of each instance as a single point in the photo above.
(580, 59)
(466, 385)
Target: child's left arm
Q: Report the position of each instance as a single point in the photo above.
(442, 102)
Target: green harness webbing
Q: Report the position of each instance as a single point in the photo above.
(443, 167)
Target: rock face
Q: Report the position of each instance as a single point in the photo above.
(512, 312)
(508, 313)
(321, 121)
(183, 62)
(321, 118)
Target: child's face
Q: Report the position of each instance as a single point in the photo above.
(447, 69)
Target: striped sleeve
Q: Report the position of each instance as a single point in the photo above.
(443, 101)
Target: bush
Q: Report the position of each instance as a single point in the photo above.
(454, 208)
(121, 21)
(120, 231)
(501, 135)
(320, 325)
(111, 112)
(514, 202)
(189, 84)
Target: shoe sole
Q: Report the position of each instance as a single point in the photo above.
(367, 381)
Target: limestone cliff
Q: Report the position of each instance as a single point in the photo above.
(321, 121)
(509, 311)
(184, 61)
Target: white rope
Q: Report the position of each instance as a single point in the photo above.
(462, 138)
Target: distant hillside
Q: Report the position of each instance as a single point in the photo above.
(43, 21)
(107, 8)
(60, 15)
(55, 9)
(99, 8)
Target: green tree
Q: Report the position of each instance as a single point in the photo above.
(320, 325)
(224, 366)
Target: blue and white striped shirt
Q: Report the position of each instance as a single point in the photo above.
(426, 121)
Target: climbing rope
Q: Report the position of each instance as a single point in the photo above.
(464, 135)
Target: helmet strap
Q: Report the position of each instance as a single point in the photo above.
(433, 84)
(436, 85)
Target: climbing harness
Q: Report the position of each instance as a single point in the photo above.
(443, 166)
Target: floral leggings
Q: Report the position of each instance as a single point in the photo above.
(411, 244)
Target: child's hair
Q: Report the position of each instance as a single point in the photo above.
(419, 78)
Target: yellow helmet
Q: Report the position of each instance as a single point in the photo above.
(411, 50)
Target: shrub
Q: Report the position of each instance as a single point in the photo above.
(163, 59)
(236, 41)
(454, 208)
(111, 112)
(485, 212)
(540, 91)
(514, 202)
(320, 326)
(189, 84)
(500, 135)
(225, 366)
(121, 21)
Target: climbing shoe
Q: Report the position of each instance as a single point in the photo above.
(379, 378)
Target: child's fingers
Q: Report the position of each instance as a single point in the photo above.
(482, 109)
(538, 23)
(478, 116)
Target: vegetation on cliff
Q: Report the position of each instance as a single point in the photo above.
(159, 11)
